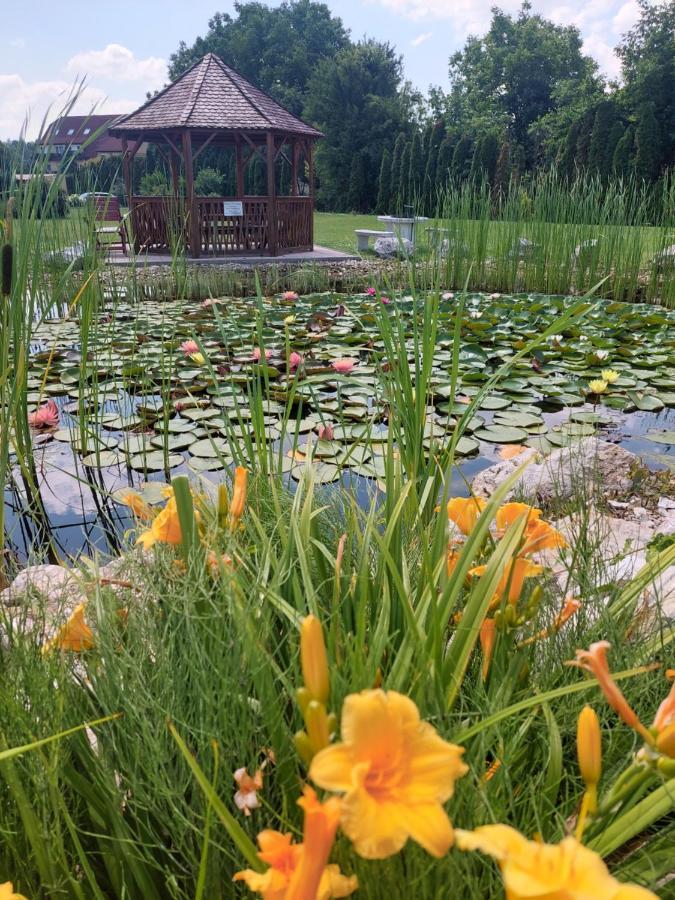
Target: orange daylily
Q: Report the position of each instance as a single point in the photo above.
(535, 871)
(594, 660)
(164, 528)
(74, 634)
(238, 501)
(512, 580)
(395, 773)
(511, 512)
(7, 892)
(300, 871)
(570, 607)
(539, 535)
(464, 512)
(137, 505)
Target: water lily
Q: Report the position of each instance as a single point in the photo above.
(295, 360)
(326, 432)
(164, 528)
(598, 386)
(557, 339)
(47, 416)
(189, 347)
(394, 772)
(7, 892)
(343, 366)
(198, 358)
(512, 582)
(536, 871)
(609, 375)
(74, 635)
(301, 871)
(289, 319)
(246, 797)
(448, 295)
(464, 512)
(384, 299)
(371, 291)
(257, 354)
(289, 296)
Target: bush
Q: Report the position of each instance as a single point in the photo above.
(208, 183)
(154, 184)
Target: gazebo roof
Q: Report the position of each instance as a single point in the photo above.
(210, 96)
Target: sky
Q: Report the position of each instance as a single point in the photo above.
(121, 48)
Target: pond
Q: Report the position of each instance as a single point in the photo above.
(138, 404)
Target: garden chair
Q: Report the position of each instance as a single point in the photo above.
(107, 210)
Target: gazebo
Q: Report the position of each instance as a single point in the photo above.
(211, 105)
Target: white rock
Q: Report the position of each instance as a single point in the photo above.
(54, 583)
(560, 474)
(388, 248)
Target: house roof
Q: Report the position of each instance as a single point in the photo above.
(71, 130)
(211, 96)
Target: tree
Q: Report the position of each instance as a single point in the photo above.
(461, 158)
(647, 54)
(444, 163)
(416, 169)
(395, 175)
(358, 99)
(404, 177)
(600, 152)
(277, 48)
(648, 145)
(484, 162)
(503, 169)
(622, 161)
(384, 184)
(358, 195)
(513, 76)
(437, 136)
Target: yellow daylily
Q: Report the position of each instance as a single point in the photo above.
(137, 505)
(609, 375)
(7, 892)
(512, 580)
(395, 773)
(539, 535)
(598, 386)
(299, 871)
(74, 635)
(164, 528)
(537, 871)
(464, 512)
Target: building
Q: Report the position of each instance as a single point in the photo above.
(87, 136)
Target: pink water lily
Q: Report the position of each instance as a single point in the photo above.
(189, 347)
(46, 416)
(385, 299)
(295, 360)
(257, 353)
(371, 291)
(289, 296)
(343, 366)
(325, 432)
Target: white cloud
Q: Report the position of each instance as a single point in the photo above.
(601, 22)
(119, 64)
(19, 43)
(24, 103)
(421, 38)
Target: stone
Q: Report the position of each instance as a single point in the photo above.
(665, 259)
(390, 247)
(54, 583)
(522, 249)
(560, 474)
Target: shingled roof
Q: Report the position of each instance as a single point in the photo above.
(211, 96)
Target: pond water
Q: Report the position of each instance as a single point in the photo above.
(141, 408)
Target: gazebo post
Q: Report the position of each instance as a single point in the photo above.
(310, 163)
(271, 196)
(126, 168)
(173, 159)
(294, 168)
(240, 168)
(191, 206)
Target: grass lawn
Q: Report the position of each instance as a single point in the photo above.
(336, 230)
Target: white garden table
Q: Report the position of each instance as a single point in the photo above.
(404, 226)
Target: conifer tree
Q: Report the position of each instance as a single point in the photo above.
(444, 162)
(404, 176)
(622, 163)
(395, 177)
(648, 145)
(461, 158)
(502, 170)
(416, 170)
(357, 195)
(384, 184)
(599, 153)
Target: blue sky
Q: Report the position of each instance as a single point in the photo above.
(122, 46)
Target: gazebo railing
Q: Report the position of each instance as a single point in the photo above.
(159, 223)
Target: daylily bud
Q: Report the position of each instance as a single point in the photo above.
(665, 742)
(303, 697)
(332, 723)
(589, 749)
(223, 504)
(238, 502)
(316, 721)
(313, 659)
(303, 747)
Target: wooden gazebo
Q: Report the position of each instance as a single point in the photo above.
(211, 105)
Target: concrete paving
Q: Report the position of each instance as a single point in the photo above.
(317, 255)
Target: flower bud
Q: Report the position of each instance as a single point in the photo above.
(303, 747)
(665, 742)
(223, 504)
(316, 721)
(313, 659)
(303, 696)
(589, 746)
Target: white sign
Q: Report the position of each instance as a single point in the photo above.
(233, 208)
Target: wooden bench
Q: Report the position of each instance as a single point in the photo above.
(107, 209)
(363, 236)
